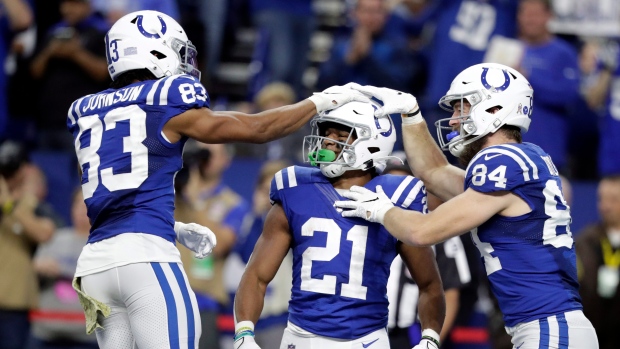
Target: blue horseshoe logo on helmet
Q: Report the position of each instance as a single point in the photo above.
(143, 31)
(388, 132)
(488, 86)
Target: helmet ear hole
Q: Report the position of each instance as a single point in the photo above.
(373, 150)
(158, 54)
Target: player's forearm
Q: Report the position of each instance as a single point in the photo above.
(432, 306)
(250, 298)
(410, 227)
(279, 122)
(428, 162)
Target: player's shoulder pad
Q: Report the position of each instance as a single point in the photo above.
(404, 191)
(182, 90)
(294, 177)
(502, 167)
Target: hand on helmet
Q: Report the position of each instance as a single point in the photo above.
(335, 97)
(394, 102)
(195, 237)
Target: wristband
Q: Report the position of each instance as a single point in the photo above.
(412, 118)
(243, 329)
(431, 335)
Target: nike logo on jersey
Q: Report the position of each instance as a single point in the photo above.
(366, 345)
(489, 157)
(520, 345)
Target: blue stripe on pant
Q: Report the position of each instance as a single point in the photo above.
(544, 334)
(173, 323)
(563, 329)
(191, 326)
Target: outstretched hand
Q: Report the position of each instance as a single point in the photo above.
(394, 102)
(365, 204)
(335, 97)
(196, 237)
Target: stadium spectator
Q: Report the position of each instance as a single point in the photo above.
(374, 53)
(463, 31)
(56, 322)
(287, 26)
(218, 207)
(69, 63)
(25, 222)
(115, 9)
(15, 16)
(598, 252)
(551, 66)
(601, 89)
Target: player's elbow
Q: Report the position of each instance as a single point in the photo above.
(419, 236)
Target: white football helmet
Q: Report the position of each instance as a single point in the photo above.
(149, 40)
(375, 138)
(487, 87)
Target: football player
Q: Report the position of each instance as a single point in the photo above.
(129, 140)
(510, 194)
(340, 265)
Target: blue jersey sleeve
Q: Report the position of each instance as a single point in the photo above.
(405, 191)
(174, 95)
(291, 177)
(497, 169)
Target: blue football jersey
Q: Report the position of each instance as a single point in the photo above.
(128, 166)
(530, 259)
(340, 265)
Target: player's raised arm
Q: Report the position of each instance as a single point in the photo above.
(230, 126)
(269, 251)
(425, 158)
(431, 306)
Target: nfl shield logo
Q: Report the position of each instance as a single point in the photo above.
(291, 346)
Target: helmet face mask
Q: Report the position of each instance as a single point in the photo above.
(150, 40)
(369, 143)
(498, 95)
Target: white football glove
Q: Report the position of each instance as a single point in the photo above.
(426, 344)
(394, 102)
(195, 237)
(335, 97)
(246, 342)
(366, 204)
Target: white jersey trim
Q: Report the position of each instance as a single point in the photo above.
(279, 182)
(292, 178)
(413, 194)
(401, 188)
(527, 158)
(515, 157)
(163, 95)
(151, 95)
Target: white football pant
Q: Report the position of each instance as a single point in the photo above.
(153, 307)
(570, 330)
(295, 340)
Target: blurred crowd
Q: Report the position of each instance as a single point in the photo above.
(260, 54)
